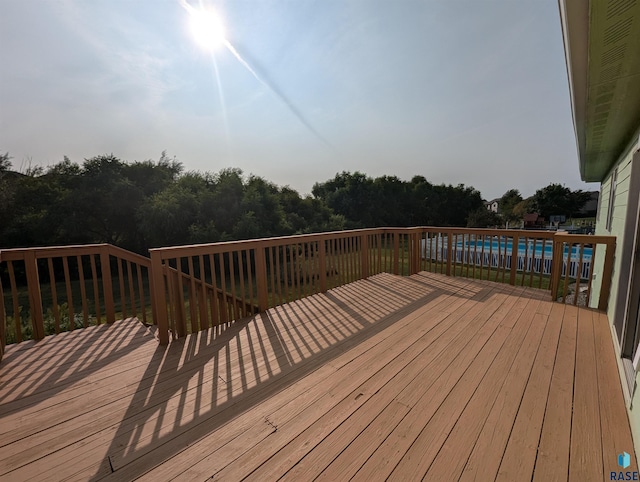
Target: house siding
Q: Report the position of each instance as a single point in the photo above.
(618, 223)
(622, 221)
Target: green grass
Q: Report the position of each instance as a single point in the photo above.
(63, 302)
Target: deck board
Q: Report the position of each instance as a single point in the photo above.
(424, 376)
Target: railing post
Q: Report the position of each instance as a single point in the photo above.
(514, 259)
(261, 279)
(556, 266)
(415, 253)
(449, 251)
(322, 264)
(396, 252)
(158, 298)
(607, 271)
(107, 287)
(35, 297)
(364, 256)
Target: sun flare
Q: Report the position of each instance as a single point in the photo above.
(207, 29)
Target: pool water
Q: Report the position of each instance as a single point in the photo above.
(499, 245)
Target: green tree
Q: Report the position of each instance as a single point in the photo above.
(5, 162)
(483, 218)
(508, 202)
(108, 200)
(556, 199)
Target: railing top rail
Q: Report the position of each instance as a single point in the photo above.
(587, 238)
(13, 254)
(488, 231)
(195, 249)
(129, 256)
(226, 246)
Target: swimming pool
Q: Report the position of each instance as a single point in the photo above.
(497, 252)
(525, 248)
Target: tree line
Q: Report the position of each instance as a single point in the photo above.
(143, 204)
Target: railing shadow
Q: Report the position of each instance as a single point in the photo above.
(205, 380)
(197, 384)
(35, 371)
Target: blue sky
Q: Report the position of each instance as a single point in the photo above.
(471, 92)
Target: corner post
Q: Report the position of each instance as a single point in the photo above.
(158, 298)
(415, 252)
(607, 272)
(35, 296)
(556, 266)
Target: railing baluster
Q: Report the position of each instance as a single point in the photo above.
(593, 258)
(96, 290)
(215, 316)
(54, 295)
(322, 265)
(191, 289)
(243, 293)
(578, 275)
(475, 255)
(272, 276)
(232, 273)
(262, 283)
(350, 267)
(132, 294)
(143, 306)
(107, 285)
(67, 281)
(285, 273)
(491, 258)
(17, 317)
(202, 295)
(278, 274)
(515, 241)
(123, 297)
(566, 272)
(533, 262)
(181, 313)
(379, 241)
(224, 305)
(544, 252)
(83, 292)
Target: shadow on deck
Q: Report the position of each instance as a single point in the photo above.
(326, 385)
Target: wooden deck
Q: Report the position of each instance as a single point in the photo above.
(427, 377)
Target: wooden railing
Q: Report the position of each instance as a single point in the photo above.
(559, 262)
(254, 275)
(51, 290)
(262, 273)
(186, 289)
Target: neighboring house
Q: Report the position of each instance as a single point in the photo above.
(602, 47)
(493, 205)
(533, 221)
